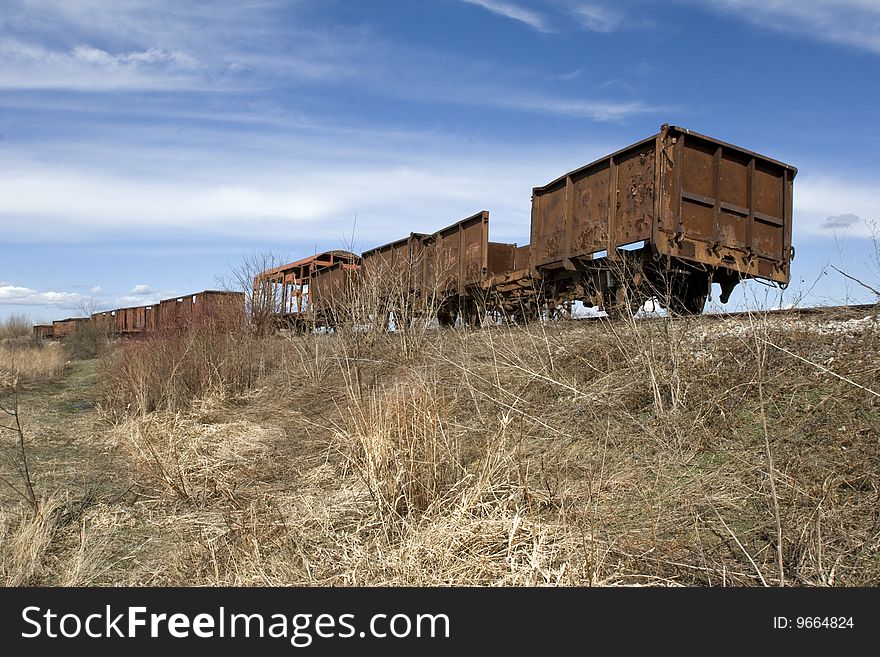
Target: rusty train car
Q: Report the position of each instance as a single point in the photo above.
(284, 293)
(60, 328)
(218, 307)
(666, 217)
(442, 274)
(663, 218)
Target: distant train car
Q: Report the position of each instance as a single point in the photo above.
(64, 328)
(668, 215)
(105, 320)
(135, 319)
(43, 331)
(283, 294)
(206, 307)
(333, 294)
(216, 307)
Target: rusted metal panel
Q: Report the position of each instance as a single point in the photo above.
(456, 257)
(604, 204)
(172, 313)
(521, 257)
(125, 321)
(683, 194)
(208, 306)
(217, 307)
(501, 257)
(104, 320)
(395, 267)
(150, 318)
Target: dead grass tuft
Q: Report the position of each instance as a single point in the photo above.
(30, 361)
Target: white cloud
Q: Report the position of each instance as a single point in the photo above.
(509, 10)
(26, 296)
(597, 18)
(141, 289)
(819, 199)
(851, 22)
(97, 290)
(129, 300)
(291, 190)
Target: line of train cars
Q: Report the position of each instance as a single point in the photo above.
(665, 217)
(214, 306)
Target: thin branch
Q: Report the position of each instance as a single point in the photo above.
(853, 278)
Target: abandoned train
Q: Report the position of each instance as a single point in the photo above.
(663, 218)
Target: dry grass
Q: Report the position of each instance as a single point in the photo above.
(694, 452)
(30, 361)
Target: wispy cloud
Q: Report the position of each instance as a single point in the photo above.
(84, 67)
(598, 110)
(218, 185)
(850, 22)
(528, 17)
(597, 18)
(141, 290)
(25, 296)
(103, 45)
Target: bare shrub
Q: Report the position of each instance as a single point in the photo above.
(16, 326)
(88, 340)
(172, 369)
(402, 445)
(262, 301)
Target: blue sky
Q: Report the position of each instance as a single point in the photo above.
(147, 147)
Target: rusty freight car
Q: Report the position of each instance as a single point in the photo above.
(43, 331)
(135, 319)
(283, 292)
(206, 307)
(64, 328)
(458, 264)
(664, 217)
(105, 320)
